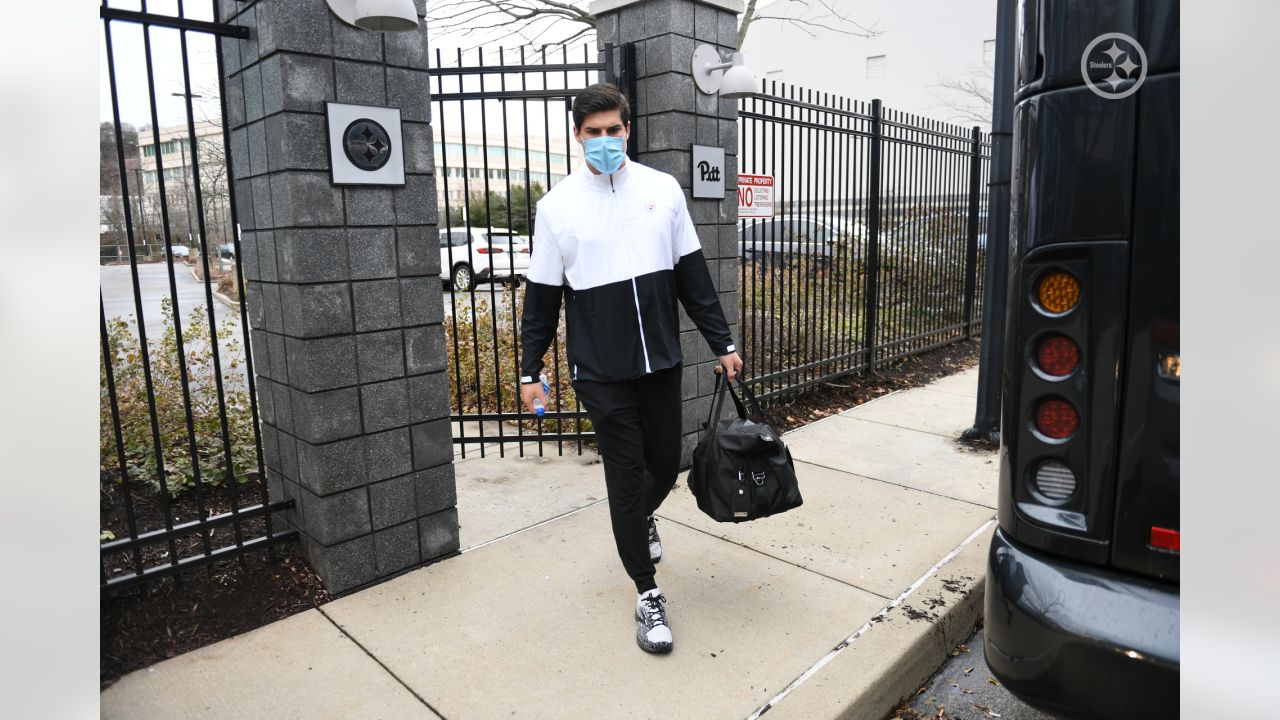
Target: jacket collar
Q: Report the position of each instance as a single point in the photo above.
(602, 182)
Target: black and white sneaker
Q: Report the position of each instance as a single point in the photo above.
(653, 634)
(655, 543)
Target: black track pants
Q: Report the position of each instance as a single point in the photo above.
(637, 425)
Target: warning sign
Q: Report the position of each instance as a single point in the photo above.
(755, 196)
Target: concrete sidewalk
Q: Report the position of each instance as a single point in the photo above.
(835, 609)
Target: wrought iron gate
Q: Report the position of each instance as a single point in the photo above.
(182, 477)
(503, 138)
(877, 247)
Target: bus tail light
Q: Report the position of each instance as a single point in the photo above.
(1056, 419)
(1058, 291)
(1055, 482)
(1057, 355)
(1166, 539)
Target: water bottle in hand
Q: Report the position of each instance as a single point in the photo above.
(538, 408)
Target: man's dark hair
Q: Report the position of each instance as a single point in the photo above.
(600, 98)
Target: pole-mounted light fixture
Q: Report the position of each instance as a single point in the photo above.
(733, 79)
(377, 15)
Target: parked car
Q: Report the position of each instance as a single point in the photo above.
(938, 230)
(180, 251)
(472, 256)
(227, 251)
(785, 236)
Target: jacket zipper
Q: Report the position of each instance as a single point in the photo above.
(644, 346)
(639, 319)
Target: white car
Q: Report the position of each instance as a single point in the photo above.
(472, 256)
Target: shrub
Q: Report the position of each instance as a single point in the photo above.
(227, 285)
(476, 340)
(922, 280)
(495, 212)
(206, 425)
(798, 313)
(800, 309)
(225, 279)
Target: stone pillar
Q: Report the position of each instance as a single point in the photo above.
(672, 115)
(344, 294)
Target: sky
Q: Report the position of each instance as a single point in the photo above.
(131, 71)
(131, 77)
(129, 55)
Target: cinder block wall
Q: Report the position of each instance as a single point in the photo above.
(344, 298)
(671, 116)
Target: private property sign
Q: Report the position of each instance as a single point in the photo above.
(755, 196)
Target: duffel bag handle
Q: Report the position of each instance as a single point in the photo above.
(750, 398)
(722, 384)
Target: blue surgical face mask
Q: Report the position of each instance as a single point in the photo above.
(605, 153)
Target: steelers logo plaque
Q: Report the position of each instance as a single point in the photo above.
(366, 146)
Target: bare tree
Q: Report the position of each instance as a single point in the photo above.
(532, 22)
(110, 188)
(558, 22)
(811, 16)
(213, 181)
(968, 96)
(109, 160)
(216, 195)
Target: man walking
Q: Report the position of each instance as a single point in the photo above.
(615, 241)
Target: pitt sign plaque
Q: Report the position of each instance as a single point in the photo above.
(708, 172)
(755, 196)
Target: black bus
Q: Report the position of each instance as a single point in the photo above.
(1082, 603)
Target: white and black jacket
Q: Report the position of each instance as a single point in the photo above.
(620, 249)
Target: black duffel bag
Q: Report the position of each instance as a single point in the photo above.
(741, 469)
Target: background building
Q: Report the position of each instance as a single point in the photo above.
(545, 163)
(176, 159)
(931, 57)
(495, 183)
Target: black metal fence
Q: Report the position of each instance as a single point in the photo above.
(503, 139)
(182, 477)
(875, 250)
(876, 246)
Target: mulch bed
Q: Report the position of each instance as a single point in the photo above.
(835, 397)
(168, 617)
(164, 618)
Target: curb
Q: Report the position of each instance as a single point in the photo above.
(220, 297)
(226, 300)
(899, 648)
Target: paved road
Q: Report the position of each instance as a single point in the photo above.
(964, 689)
(117, 294)
(464, 300)
(116, 283)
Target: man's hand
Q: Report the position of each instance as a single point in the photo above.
(731, 364)
(530, 391)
